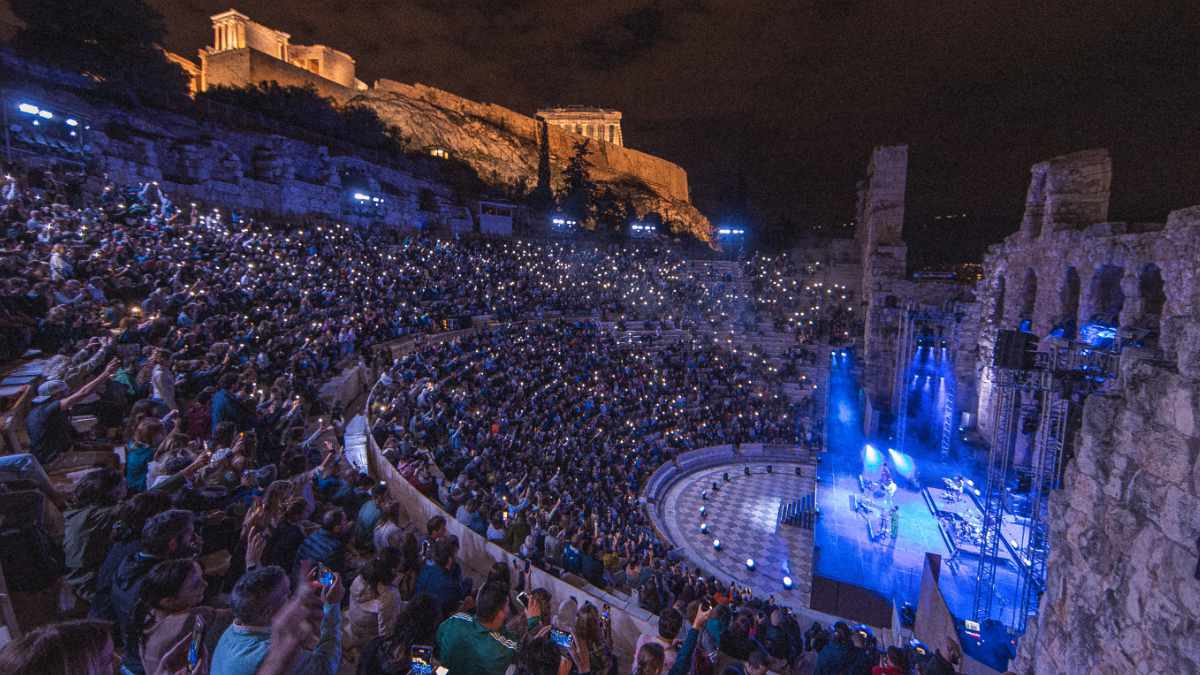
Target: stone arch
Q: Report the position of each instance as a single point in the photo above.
(998, 307)
(1107, 298)
(1029, 289)
(1151, 294)
(1068, 303)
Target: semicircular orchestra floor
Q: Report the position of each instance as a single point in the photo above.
(743, 513)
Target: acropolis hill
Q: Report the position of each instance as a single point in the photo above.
(502, 145)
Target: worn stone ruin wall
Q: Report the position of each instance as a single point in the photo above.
(1067, 192)
(242, 67)
(1141, 275)
(1121, 593)
(880, 230)
(249, 171)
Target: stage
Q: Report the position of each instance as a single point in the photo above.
(845, 552)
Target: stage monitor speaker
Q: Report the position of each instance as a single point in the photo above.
(1014, 349)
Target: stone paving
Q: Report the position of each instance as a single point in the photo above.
(743, 514)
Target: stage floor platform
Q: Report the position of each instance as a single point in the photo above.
(744, 514)
(892, 568)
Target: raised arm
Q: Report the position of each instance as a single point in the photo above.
(86, 390)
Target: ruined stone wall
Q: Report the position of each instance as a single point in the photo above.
(240, 67)
(1121, 595)
(331, 63)
(880, 220)
(1141, 275)
(1067, 192)
(248, 171)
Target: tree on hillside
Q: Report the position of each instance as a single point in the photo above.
(114, 42)
(579, 192)
(613, 212)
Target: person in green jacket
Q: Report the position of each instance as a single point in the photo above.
(477, 644)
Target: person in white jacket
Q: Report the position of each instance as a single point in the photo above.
(162, 380)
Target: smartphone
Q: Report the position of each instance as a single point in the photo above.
(523, 599)
(705, 605)
(324, 575)
(421, 658)
(561, 638)
(197, 640)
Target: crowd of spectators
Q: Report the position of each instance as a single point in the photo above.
(209, 521)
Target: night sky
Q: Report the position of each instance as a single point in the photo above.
(787, 98)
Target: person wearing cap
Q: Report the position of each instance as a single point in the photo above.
(50, 431)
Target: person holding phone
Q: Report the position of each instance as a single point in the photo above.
(650, 657)
(258, 597)
(589, 648)
(477, 644)
(169, 610)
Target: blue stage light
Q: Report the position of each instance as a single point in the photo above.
(787, 583)
(703, 510)
(872, 458)
(905, 466)
(717, 544)
(704, 527)
(749, 563)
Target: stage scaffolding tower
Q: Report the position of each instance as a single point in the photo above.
(917, 325)
(906, 344)
(1058, 380)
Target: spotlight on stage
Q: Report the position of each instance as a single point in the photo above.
(717, 544)
(905, 466)
(703, 509)
(704, 495)
(749, 563)
(704, 527)
(787, 583)
(872, 458)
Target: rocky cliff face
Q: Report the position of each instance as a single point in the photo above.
(1121, 594)
(504, 147)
